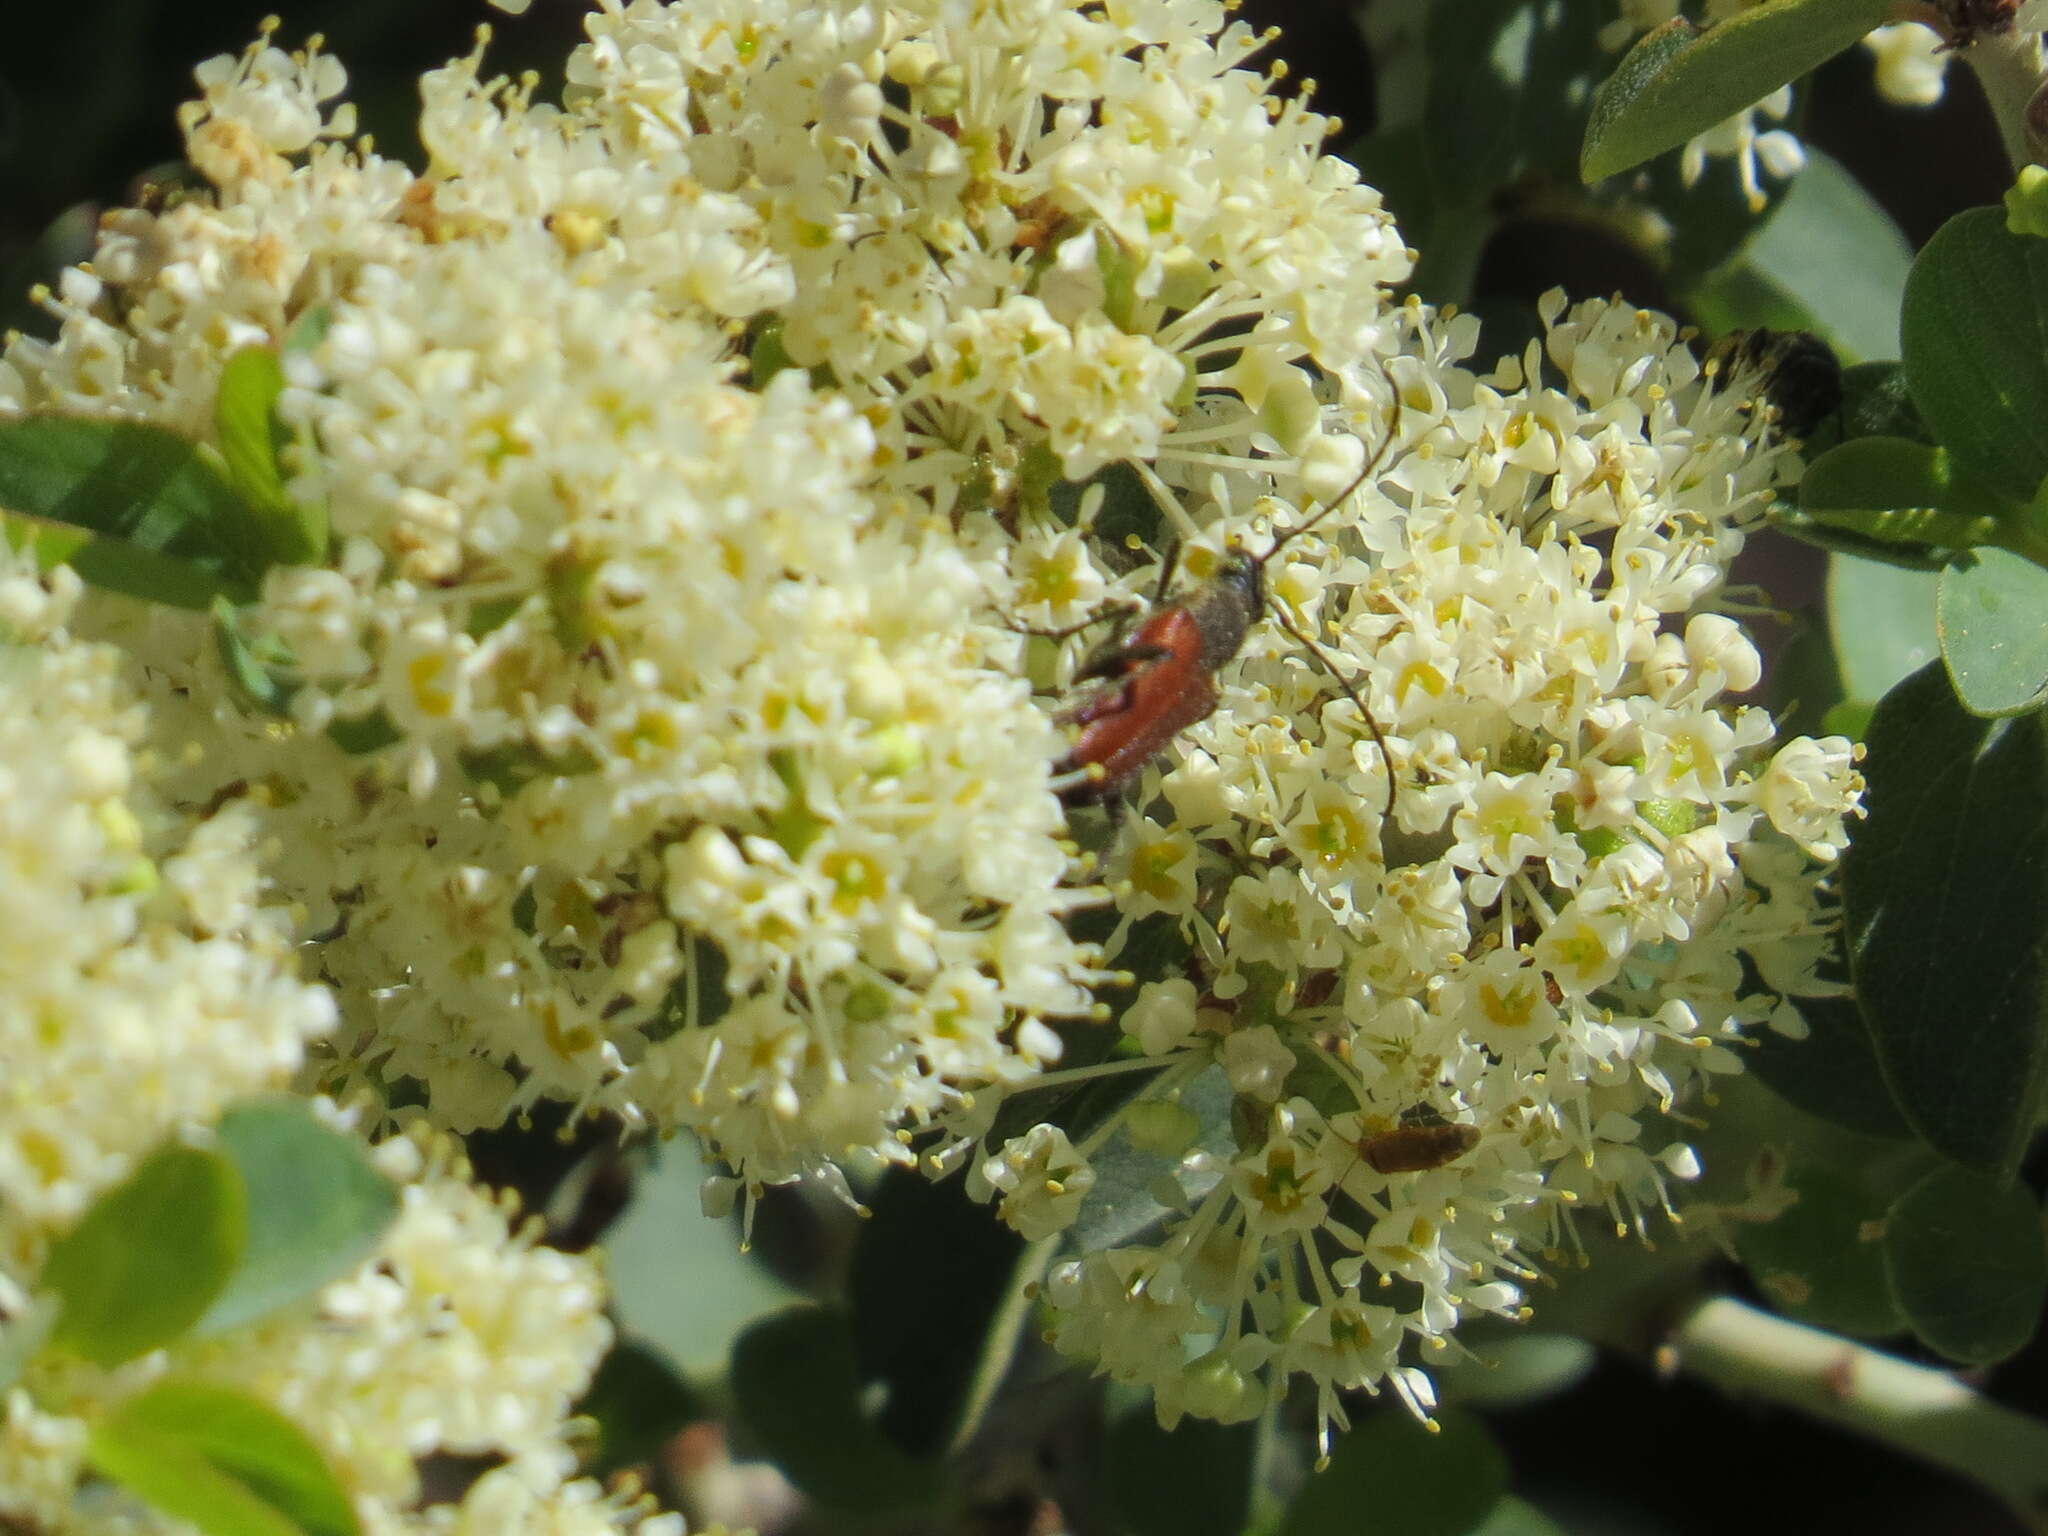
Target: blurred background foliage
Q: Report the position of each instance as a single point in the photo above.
(1483, 185)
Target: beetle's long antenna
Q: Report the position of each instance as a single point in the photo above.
(1280, 614)
(1371, 468)
(1329, 666)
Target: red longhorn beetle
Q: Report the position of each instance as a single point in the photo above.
(1155, 682)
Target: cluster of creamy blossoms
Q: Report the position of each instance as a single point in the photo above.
(659, 740)
(1441, 1034)
(645, 752)
(143, 989)
(458, 1337)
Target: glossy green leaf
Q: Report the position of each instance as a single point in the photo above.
(1944, 887)
(1412, 1481)
(114, 565)
(794, 1384)
(252, 443)
(1833, 1072)
(1967, 1263)
(1679, 81)
(1194, 1481)
(1822, 1261)
(316, 1207)
(1835, 259)
(1881, 620)
(1992, 615)
(133, 484)
(206, 1453)
(1975, 311)
(1932, 501)
(148, 1257)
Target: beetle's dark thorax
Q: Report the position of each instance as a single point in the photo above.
(1225, 608)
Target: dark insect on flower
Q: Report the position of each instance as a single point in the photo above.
(1416, 1148)
(1800, 375)
(1147, 686)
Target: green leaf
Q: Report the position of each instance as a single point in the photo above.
(930, 1269)
(363, 734)
(222, 1460)
(793, 1382)
(1193, 1481)
(317, 1208)
(1909, 481)
(1517, 1517)
(1831, 248)
(1679, 81)
(1992, 615)
(252, 442)
(1966, 1261)
(1944, 887)
(1833, 1072)
(250, 674)
(115, 566)
(1881, 620)
(638, 1404)
(1515, 1370)
(664, 1234)
(1822, 1261)
(1876, 402)
(1506, 84)
(144, 491)
(148, 1257)
(1975, 310)
(1412, 1481)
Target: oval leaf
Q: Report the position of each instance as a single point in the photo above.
(132, 483)
(1822, 1261)
(1967, 1264)
(148, 1257)
(1944, 885)
(1679, 81)
(1970, 333)
(1992, 615)
(1881, 620)
(1412, 1481)
(1929, 502)
(1833, 1072)
(1832, 248)
(222, 1460)
(794, 1384)
(316, 1208)
(252, 443)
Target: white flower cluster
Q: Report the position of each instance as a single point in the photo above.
(1443, 1032)
(701, 784)
(142, 990)
(660, 739)
(458, 1336)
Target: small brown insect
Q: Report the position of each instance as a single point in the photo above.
(1416, 1148)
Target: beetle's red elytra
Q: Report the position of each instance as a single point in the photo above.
(1153, 683)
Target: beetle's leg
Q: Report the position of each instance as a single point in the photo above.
(1114, 658)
